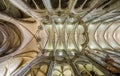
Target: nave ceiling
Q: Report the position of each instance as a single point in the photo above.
(59, 37)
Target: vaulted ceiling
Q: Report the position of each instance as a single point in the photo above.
(59, 37)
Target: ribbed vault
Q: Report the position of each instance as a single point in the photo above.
(59, 37)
